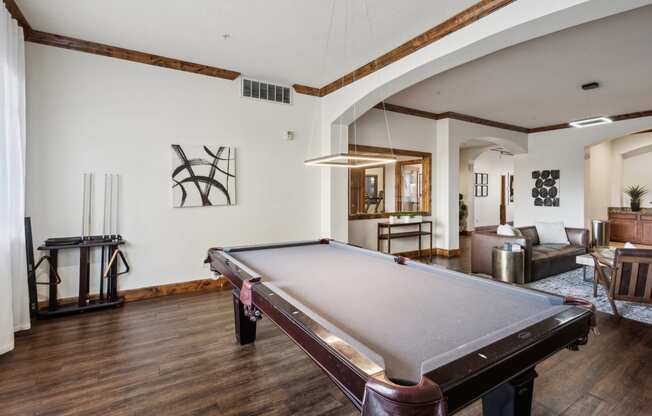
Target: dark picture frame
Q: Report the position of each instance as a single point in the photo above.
(481, 185)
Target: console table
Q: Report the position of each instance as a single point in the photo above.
(389, 235)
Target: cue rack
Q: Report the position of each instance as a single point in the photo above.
(109, 242)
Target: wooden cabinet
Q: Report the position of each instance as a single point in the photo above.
(645, 227)
(632, 227)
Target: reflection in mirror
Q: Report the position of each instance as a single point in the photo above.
(411, 185)
(367, 190)
(380, 191)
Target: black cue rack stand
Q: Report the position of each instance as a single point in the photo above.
(109, 272)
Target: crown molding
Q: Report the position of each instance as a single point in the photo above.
(67, 42)
(449, 114)
(485, 122)
(453, 24)
(407, 110)
(617, 117)
(15, 12)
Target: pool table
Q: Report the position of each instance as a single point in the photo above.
(400, 337)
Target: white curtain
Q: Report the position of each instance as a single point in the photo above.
(14, 300)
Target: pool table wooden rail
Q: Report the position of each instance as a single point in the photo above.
(508, 362)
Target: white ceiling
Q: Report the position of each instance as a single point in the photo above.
(279, 40)
(537, 83)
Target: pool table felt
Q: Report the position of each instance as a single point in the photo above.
(409, 319)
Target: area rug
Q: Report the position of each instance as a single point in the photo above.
(572, 284)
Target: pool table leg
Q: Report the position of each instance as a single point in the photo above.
(245, 328)
(513, 398)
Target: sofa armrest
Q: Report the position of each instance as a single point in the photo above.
(482, 244)
(578, 237)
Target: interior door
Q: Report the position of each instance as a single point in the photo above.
(503, 207)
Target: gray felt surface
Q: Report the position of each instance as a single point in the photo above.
(410, 319)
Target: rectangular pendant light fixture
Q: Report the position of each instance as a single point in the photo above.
(350, 160)
(588, 122)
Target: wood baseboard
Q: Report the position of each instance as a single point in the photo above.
(142, 293)
(443, 252)
(414, 254)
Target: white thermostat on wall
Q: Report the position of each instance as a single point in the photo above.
(289, 135)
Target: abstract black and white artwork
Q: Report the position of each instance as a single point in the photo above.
(202, 175)
(481, 185)
(545, 191)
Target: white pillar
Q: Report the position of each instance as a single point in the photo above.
(334, 181)
(447, 190)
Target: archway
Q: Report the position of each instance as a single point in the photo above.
(504, 28)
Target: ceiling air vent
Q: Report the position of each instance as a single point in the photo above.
(265, 91)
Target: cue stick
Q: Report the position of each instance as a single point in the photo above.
(90, 204)
(111, 205)
(104, 238)
(117, 199)
(83, 207)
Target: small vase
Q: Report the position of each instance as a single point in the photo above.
(635, 205)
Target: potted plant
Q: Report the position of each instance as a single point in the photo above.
(635, 193)
(464, 212)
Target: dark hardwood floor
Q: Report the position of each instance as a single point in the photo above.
(176, 355)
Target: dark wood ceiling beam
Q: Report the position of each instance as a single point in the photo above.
(484, 122)
(66, 42)
(477, 120)
(15, 12)
(306, 90)
(407, 110)
(449, 114)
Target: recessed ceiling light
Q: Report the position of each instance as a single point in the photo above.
(588, 122)
(591, 86)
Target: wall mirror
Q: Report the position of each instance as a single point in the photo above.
(380, 191)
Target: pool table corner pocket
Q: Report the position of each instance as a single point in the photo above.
(383, 397)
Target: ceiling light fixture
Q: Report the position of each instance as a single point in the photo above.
(588, 122)
(351, 160)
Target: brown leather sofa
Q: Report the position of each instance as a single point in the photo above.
(541, 260)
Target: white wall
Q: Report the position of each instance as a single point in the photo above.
(91, 113)
(600, 180)
(637, 170)
(563, 150)
(487, 209)
(614, 165)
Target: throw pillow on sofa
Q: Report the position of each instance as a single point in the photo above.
(551, 233)
(505, 230)
(508, 231)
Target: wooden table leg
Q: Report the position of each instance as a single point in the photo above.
(84, 278)
(245, 328)
(53, 303)
(513, 398)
